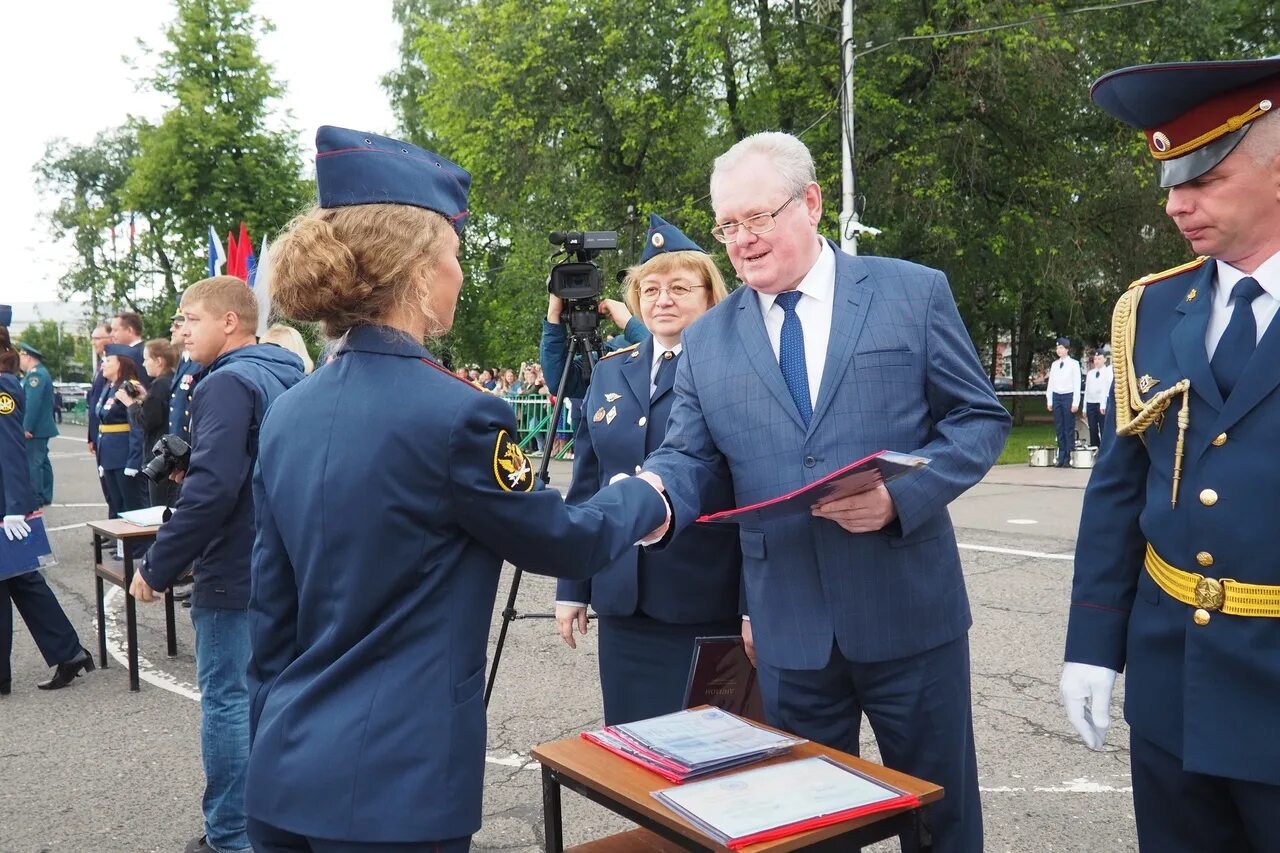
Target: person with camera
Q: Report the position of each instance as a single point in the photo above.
(29, 592)
(150, 410)
(120, 442)
(213, 526)
(652, 605)
(388, 494)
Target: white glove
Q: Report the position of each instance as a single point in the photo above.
(131, 472)
(1086, 694)
(16, 527)
(101, 473)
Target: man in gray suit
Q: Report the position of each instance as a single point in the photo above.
(822, 359)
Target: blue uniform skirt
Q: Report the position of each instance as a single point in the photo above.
(644, 664)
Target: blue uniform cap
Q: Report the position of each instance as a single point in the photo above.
(363, 168)
(665, 237)
(31, 351)
(1064, 342)
(1193, 113)
(6, 315)
(119, 351)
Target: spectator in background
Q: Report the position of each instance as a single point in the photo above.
(99, 338)
(507, 382)
(150, 410)
(291, 339)
(486, 380)
(120, 442)
(126, 329)
(57, 405)
(1097, 386)
(1062, 397)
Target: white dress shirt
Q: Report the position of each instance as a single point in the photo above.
(1097, 385)
(814, 310)
(658, 350)
(1264, 307)
(1064, 378)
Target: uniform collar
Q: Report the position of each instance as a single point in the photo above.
(658, 350)
(1267, 275)
(383, 340)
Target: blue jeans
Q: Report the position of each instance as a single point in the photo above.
(222, 659)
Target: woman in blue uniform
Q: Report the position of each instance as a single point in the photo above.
(388, 493)
(652, 605)
(120, 452)
(29, 592)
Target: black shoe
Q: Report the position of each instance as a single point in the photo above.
(199, 845)
(183, 594)
(69, 671)
(6, 687)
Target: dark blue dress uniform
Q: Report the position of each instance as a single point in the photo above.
(184, 377)
(388, 493)
(652, 604)
(29, 592)
(1184, 496)
(119, 444)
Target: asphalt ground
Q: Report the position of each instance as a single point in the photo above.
(97, 768)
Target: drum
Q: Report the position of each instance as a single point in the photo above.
(1040, 455)
(1082, 457)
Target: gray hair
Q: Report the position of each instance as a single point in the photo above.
(788, 155)
(1262, 142)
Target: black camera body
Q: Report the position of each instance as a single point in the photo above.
(578, 281)
(170, 454)
(133, 388)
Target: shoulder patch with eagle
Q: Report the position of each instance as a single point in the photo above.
(510, 466)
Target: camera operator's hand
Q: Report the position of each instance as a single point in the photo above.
(555, 307)
(566, 615)
(141, 591)
(177, 475)
(618, 312)
(15, 528)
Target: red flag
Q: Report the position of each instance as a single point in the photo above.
(232, 251)
(243, 250)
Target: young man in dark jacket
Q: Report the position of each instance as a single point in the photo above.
(213, 526)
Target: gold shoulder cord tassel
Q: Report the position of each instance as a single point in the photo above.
(1133, 416)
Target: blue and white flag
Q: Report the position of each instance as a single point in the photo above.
(261, 284)
(217, 254)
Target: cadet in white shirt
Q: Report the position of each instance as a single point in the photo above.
(1097, 386)
(1062, 397)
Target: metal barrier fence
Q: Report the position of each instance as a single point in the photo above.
(533, 414)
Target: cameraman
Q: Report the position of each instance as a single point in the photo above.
(213, 526)
(551, 351)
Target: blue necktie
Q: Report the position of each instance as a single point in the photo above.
(791, 355)
(1240, 338)
(666, 367)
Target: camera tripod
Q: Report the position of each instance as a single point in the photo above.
(583, 345)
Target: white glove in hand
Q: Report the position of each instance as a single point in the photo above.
(16, 527)
(131, 472)
(1086, 694)
(101, 473)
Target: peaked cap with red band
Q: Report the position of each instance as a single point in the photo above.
(363, 168)
(1193, 113)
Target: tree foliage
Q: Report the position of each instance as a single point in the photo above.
(65, 355)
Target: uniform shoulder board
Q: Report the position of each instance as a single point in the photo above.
(619, 351)
(449, 373)
(1155, 277)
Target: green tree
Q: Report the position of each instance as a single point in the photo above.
(63, 352)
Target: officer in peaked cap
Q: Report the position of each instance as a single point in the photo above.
(1176, 583)
(38, 423)
(369, 626)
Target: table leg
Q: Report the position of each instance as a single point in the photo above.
(102, 621)
(551, 824)
(131, 618)
(923, 831)
(169, 628)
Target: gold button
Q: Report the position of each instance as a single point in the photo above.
(642, 421)
(1220, 440)
(1201, 617)
(1204, 558)
(1208, 497)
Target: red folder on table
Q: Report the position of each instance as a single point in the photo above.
(856, 477)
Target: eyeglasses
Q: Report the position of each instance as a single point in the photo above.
(761, 223)
(649, 293)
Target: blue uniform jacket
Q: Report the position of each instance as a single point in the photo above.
(91, 405)
(184, 377)
(16, 497)
(212, 525)
(385, 511)
(1206, 693)
(697, 577)
(551, 353)
(38, 419)
(902, 374)
(117, 449)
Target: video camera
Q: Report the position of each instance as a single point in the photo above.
(578, 281)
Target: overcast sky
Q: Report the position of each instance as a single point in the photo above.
(66, 78)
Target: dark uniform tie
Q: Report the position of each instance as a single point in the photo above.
(666, 367)
(1240, 338)
(791, 355)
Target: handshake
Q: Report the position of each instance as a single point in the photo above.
(655, 481)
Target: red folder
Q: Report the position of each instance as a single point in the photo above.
(903, 802)
(852, 479)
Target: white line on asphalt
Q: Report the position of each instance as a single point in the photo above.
(1016, 552)
(1082, 785)
(100, 505)
(64, 527)
(71, 438)
(149, 673)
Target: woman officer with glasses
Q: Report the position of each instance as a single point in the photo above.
(651, 605)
